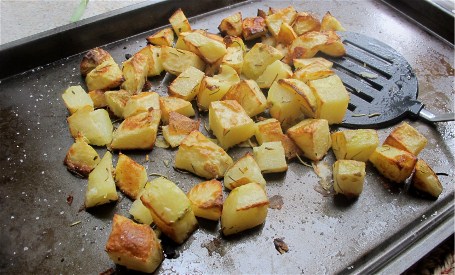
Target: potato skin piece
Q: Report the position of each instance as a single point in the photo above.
(93, 58)
(253, 27)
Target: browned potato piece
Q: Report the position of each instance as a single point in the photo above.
(333, 46)
(164, 37)
(179, 22)
(234, 41)
(179, 127)
(81, 158)
(105, 76)
(425, 179)
(406, 137)
(305, 22)
(307, 45)
(153, 59)
(116, 101)
(175, 61)
(186, 85)
(135, 71)
(130, 176)
(231, 25)
(270, 130)
(248, 94)
(207, 199)
(92, 59)
(133, 245)
(286, 34)
(253, 27)
(312, 72)
(170, 104)
(98, 98)
(330, 23)
(278, 17)
(393, 163)
(302, 63)
(209, 47)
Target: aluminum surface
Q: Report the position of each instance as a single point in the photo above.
(324, 234)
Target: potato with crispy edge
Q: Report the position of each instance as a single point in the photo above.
(116, 101)
(94, 125)
(253, 27)
(406, 137)
(205, 46)
(244, 208)
(101, 185)
(276, 19)
(305, 22)
(330, 23)
(248, 94)
(199, 155)
(270, 130)
(81, 158)
(98, 98)
(130, 176)
(179, 127)
(305, 62)
(175, 61)
(141, 103)
(179, 22)
(186, 85)
(206, 199)
(106, 75)
(135, 71)
(312, 72)
(356, 144)
(164, 37)
(393, 163)
(233, 58)
(133, 245)
(258, 58)
(286, 34)
(425, 180)
(154, 61)
(92, 59)
(274, 72)
(348, 177)
(244, 170)
(270, 157)
(170, 104)
(231, 25)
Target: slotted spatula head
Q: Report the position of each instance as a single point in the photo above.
(383, 89)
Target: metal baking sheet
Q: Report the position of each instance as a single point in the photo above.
(40, 232)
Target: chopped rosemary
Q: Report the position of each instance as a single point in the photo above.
(303, 162)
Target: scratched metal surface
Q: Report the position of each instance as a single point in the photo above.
(324, 234)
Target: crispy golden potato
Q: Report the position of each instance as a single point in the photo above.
(312, 72)
(135, 71)
(154, 61)
(170, 104)
(164, 37)
(274, 72)
(234, 41)
(286, 34)
(101, 185)
(92, 59)
(94, 125)
(278, 17)
(348, 177)
(231, 25)
(393, 163)
(248, 94)
(258, 58)
(106, 75)
(305, 22)
(244, 170)
(116, 101)
(98, 98)
(234, 58)
(141, 103)
(186, 85)
(354, 144)
(406, 137)
(81, 158)
(206, 199)
(302, 63)
(425, 179)
(270, 130)
(253, 27)
(175, 61)
(179, 127)
(130, 176)
(205, 46)
(330, 23)
(179, 22)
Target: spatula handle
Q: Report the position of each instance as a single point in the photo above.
(418, 111)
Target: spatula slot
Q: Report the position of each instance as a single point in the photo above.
(349, 72)
(374, 55)
(358, 93)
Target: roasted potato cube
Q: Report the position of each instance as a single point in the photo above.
(137, 132)
(81, 158)
(244, 171)
(214, 88)
(170, 209)
(258, 58)
(312, 136)
(130, 176)
(170, 104)
(175, 61)
(164, 37)
(94, 125)
(334, 46)
(179, 127)
(230, 123)
(234, 58)
(154, 61)
(116, 101)
(330, 23)
(312, 72)
(302, 63)
(133, 245)
(244, 208)
(234, 41)
(286, 34)
(276, 19)
(270, 130)
(253, 27)
(180, 44)
(332, 98)
(348, 177)
(202, 157)
(98, 98)
(393, 163)
(207, 48)
(75, 98)
(354, 144)
(186, 85)
(135, 71)
(248, 94)
(140, 213)
(101, 185)
(307, 45)
(270, 157)
(425, 179)
(179, 22)
(231, 25)
(274, 72)
(305, 22)
(406, 137)
(141, 103)
(206, 199)
(93, 58)
(105, 76)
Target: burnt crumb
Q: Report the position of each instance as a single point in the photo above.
(69, 200)
(214, 245)
(147, 86)
(62, 260)
(124, 48)
(280, 245)
(276, 202)
(171, 253)
(109, 271)
(128, 56)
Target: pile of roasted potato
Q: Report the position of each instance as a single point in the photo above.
(276, 91)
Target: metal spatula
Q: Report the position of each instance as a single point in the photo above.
(383, 88)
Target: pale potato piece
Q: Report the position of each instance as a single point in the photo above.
(133, 245)
(354, 144)
(248, 94)
(92, 59)
(94, 125)
(253, 27)
(175, 61)
(393, 163)
(98, 98)
(206, 199)
(275, 20)
(270, 130)
(312, 72)
(274, 72)
(348, 177)
(137, 132)
(406, 137)
(81, 158)
(180, 44)
(140, 213)
(155, 64)
(234, 58)
(302, 63)
(334, 46)
(170, 209)
(141, 103)
(101, 185)
(425, 179)
(75, 98)
(270, 157)
(244, 171)
(244, 208)
(130, 176)
(105, 76)
(116, 101)
(332, 98)
(179, 22)
(186, 85)
(170, 104)
(179, 127)
(230, 123)
(214, 88)
(286, 34)
(312, 136)
(330, 23)
(202, 157)
(258, 58)
(305, 22)
(135, 71)
(164, 37)
(234, 41)
(207, 48)
(231, 25)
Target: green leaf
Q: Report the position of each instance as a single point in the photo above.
(79, 11)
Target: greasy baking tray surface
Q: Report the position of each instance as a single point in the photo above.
(324, 234)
